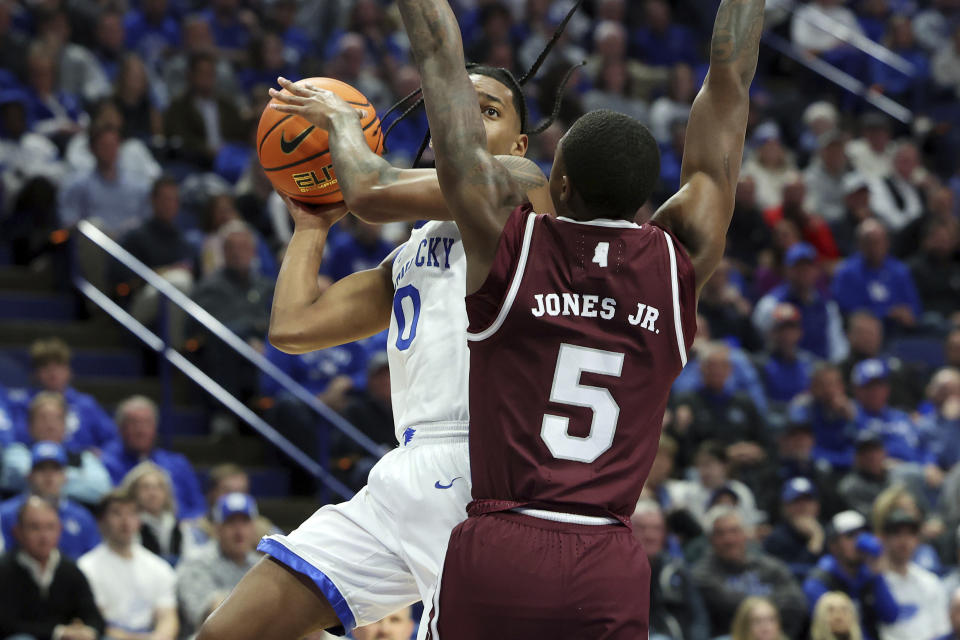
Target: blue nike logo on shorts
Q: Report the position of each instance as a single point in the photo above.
(447, 486)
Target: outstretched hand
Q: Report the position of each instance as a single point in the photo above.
(310, 215)
(316, 106)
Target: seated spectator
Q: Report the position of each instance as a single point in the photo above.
(730, 573)
(50, 112)
(716, 413)
(137, 418)
(197, 39)
(812, 28)
(397, 626)
(297, 44)
(199, 122)
(824, 176)
(872, 280)
(109, 196)
(134, 157)
(660, 41)
(749, 239)
(725, 307)
(613, 91)
(25, 155)
(108, 45)
(88, 425)
(371, 410)
(713, 478)
(43, 595)
(785, 368)
(161, 245)
(900, 497)
(204, 581)
(793, 206)
(46, 480)
(920, 600)
(872, 153)
(239, 297)
(907, 89)
(361, 247)
(221, 218)
(944, 420)
(873, 16)
(138, 100)
(134, 589)
(835, 617)
(756, 619)
(676, 608)
(936, 268)
(829, 413)
(799, 539)
(267, 62)
(896, 198)
(869, 475)
(223, 479)
(853, 567)
(675, 105)
(78, 74)
(152, 32)
(161, 532)
(320, 372)
(856, 202)
(795, 459)
(230, 33)
(770, 164)
(87, 478)
(946, 64)
(902, 438)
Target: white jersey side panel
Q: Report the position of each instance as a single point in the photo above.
(427, 345)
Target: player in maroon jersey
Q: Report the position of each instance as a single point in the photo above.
(578, 327)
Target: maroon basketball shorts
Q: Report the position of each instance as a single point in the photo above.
(511, 576)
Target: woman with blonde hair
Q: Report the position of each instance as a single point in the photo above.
(835, 618)
(160, 530)
(756, 619)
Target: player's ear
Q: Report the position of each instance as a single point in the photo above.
(520, 145)
(565, 191)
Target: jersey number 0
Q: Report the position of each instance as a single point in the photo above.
(571, 363)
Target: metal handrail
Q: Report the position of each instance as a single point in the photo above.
(857, 40)
(217, 328)
(840, 78)
(175, 358)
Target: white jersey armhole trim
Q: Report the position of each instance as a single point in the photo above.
(675, 287)
(602, 222)
(514, 285)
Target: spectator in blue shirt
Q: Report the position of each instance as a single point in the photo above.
(907, 89)
(901, 437)
(137, 419)
(362, 247)
(296, 42)
(88, 425)
(660, 42)
(50, 112)
(230, 33)
(944, 420)
(799, 539)
(853, 567)
(47, 479)
(110, 41)
(152, 32)
(820, 317)
(785, 369)
(830, 413)
(317, 369)
(87, 478)
(876, 282)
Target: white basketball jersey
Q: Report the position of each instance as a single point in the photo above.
(427, 344)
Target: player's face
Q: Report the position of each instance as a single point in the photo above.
(500, 118)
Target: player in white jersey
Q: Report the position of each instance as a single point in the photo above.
(356, 562)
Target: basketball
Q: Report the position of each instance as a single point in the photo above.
(296, 155)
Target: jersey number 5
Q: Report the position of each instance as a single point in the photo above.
(566, 389)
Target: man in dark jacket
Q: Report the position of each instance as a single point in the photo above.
(798, 539)
(42, 593)
(852, 567)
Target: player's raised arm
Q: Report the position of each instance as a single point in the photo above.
(699, 214)
(375, 190)
(478, 189)
(303, 317)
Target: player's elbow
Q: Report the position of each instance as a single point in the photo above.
(286, 338)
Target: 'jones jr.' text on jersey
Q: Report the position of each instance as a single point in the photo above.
(589, 306)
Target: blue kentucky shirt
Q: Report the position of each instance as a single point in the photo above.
(186, 487)
(857, 286)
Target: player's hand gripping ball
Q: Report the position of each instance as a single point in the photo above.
(292, 141)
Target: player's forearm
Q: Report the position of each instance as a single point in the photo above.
(297, 287)
(449, 96)
(735, 46)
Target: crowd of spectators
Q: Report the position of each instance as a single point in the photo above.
(807, 481)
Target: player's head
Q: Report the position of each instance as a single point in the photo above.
(605, 167)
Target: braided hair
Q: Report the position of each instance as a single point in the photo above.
(504, 77)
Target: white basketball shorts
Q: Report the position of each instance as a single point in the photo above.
(382, 550)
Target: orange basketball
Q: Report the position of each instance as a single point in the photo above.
(295, 154)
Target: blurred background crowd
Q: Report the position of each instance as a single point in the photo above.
(806, 483)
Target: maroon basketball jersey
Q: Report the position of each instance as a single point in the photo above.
(575, 339)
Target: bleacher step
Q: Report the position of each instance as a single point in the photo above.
(288, 513)
(36, 306)
(97, 333)
(105, 361)
(247, 451)
(20, 278)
